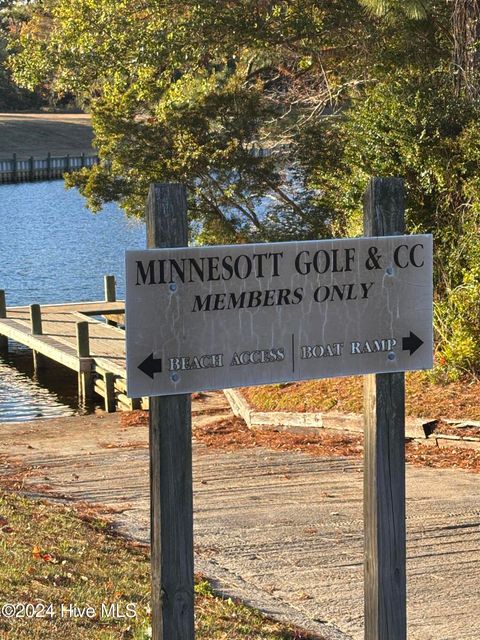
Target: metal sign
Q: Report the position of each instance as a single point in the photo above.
(203, 318)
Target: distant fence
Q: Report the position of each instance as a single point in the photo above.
(49, 168)
(54, 167)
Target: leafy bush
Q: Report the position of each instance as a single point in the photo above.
(419, 129)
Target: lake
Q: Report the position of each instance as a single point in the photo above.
(54, 250)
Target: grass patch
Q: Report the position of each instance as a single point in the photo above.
(36, 134)
(50, 555)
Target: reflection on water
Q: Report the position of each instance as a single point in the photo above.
(54, 250)
(24, 396)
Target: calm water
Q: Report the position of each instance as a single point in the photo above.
(52, 249)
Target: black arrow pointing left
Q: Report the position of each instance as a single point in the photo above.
(150, 366)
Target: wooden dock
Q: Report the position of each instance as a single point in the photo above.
(69, 335)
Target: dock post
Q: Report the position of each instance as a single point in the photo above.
(109, 392)
(49, 166)
(36, 319)
(110, 294)
(83, 340)
(3, 314)
(31, 169)
(39, 361)
(85, 378)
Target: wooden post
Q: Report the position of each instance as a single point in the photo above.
(171, 515)
(109, 392)
(384, 458)
(67, 163)
(3, 314)
(39, 361)
(82, 160)
(86, 382)
(110, 294)
(14, 168)
(36, 319)
(31, 168)
(49, 165)
(83, 339)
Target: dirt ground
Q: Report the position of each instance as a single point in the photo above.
(37, 134)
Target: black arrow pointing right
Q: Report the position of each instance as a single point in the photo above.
(150, 366)
(411, 343)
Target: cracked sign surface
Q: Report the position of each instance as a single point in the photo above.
(203, 318)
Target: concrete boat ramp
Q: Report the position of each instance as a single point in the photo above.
(281, 530)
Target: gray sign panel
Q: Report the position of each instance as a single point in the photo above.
(203, 318)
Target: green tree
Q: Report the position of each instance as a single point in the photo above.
(336, 90)
(185, 90)
(11, 96)
(436, 146)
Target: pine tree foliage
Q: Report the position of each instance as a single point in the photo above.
(413, 9)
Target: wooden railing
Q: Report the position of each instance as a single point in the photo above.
(49, 168)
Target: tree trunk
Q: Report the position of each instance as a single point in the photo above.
(466, 54)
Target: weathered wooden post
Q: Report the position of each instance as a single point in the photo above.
(85, 378)
(384, 463)
(3, 314)
(109, 286)
(171, 515)
(83, 339)
(67, 163)
(39, 360)
(36, 319)
(109, 392)
(110, 294)
(49, 166)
